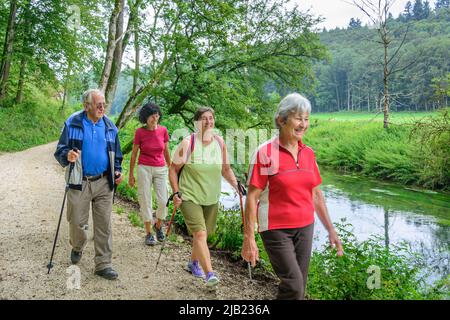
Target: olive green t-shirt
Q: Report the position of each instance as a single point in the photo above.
(200, 180)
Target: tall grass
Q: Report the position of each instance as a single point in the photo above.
(35, 121)
(388, 154)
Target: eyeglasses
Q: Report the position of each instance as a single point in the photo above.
(100, 105)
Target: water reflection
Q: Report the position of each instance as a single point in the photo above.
(395, 213)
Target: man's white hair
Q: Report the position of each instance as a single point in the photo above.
(87, 95)
(293, 103)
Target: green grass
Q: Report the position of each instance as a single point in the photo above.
(35, 121)
(395, 117)
(395, 154)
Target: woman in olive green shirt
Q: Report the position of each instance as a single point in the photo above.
(203, 160)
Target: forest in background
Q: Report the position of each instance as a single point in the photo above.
(352, 79)
(240, 57)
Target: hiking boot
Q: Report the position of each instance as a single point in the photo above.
(150, 240)
(75, 256)
(107, 273)
(211, 280)
(159, 233)
(195, 269)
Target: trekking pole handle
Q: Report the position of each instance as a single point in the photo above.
(241, 188)
(171, 197)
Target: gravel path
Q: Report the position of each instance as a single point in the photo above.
(31, 193)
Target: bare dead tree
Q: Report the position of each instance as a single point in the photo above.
(378, 13)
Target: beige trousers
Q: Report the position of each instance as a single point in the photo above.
(156, 176)
(100, 196)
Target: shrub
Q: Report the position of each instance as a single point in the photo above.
(349, 277)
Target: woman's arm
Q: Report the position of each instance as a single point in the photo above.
(227, 172)
(175, 167)
(322, 211)
(167, 154)
(131, 179)
(250, 250)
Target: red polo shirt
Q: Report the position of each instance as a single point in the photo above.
(152, 144)
(286, 201)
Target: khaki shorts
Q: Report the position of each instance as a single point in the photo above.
(199, 218)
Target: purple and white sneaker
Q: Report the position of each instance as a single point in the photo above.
(211, 280)
(195, 269)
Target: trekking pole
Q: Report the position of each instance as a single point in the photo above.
(241, 193)
(168, 227)
(50, 264)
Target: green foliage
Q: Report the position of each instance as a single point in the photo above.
(352, 80)
(434, 138)
(135, 219)
(37, 120)
(228, 234)
(394, 154)
(348, 278)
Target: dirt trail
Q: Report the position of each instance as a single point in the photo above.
(31, 193)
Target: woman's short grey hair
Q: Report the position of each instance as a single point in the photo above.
(293, 103)
(87, 95)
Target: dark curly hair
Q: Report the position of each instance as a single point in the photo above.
(147, 110)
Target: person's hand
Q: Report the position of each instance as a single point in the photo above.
(131, 180)
(241, 189)
(118, 177)
(335, 243)
(177, 201)
(250, 251)
(72, 156)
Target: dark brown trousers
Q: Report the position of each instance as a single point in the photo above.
(289, 252)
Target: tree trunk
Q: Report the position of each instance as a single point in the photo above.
(136, 99)
(26, 52)
(66, 84)
(386, 86)
(337, 93)
(118, 7)
(116, 65)
(7, 50)
(19, 94)
(136, 59)
(349, 86)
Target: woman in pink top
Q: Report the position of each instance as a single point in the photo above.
(152, 142)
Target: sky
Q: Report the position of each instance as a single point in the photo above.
(337, 13)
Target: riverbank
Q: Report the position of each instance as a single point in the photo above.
(408, 152)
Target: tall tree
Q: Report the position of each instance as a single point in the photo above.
(408, 12)
(196, 60)
(111, 46)
(26, 51)
(354, 23)
(122, 40)
(378, 11)
(418, 10)
(7, 50)
(426, 9)
(442, 4)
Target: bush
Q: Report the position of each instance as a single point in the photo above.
(409, 153)
(35, 121)
(350, 277)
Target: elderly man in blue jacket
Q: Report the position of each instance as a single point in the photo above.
(97, 169)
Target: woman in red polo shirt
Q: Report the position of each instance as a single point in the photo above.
(283, 194)
(152, 142)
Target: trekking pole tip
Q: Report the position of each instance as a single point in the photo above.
(49, 267)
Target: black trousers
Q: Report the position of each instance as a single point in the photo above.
(289, 252)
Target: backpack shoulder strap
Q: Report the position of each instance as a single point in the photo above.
(191, 147)
(219, 140)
